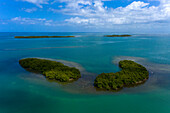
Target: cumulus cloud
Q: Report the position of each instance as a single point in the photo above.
(93, 12)
(96, 13)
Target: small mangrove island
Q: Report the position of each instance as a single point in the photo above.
(131, 74)
(44, 36)
(51, 69)
(117, 35)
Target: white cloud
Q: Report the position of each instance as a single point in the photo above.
(36, 21)
(30, 10)
(96, 13)
(137, 5)
(40, 21)
(37, 2)
(93, 12)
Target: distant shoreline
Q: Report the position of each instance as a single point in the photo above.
(44, 36)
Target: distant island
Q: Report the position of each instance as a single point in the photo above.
(44, 36)
(131, 74)
(117, 35)
(51, 69)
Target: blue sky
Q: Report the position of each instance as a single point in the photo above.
(129, 16)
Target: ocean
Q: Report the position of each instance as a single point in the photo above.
(25, 92)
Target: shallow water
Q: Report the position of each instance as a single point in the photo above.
(26, 92)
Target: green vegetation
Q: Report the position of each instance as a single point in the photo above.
(131, 74)
(118, 35)
(51, 69)
(44, 36)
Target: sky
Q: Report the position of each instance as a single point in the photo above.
(125, 16)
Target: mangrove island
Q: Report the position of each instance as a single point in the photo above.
(117, 35)
(51, 69)
(44, 36)
(131, 74)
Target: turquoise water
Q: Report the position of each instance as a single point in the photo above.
(25, 92)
